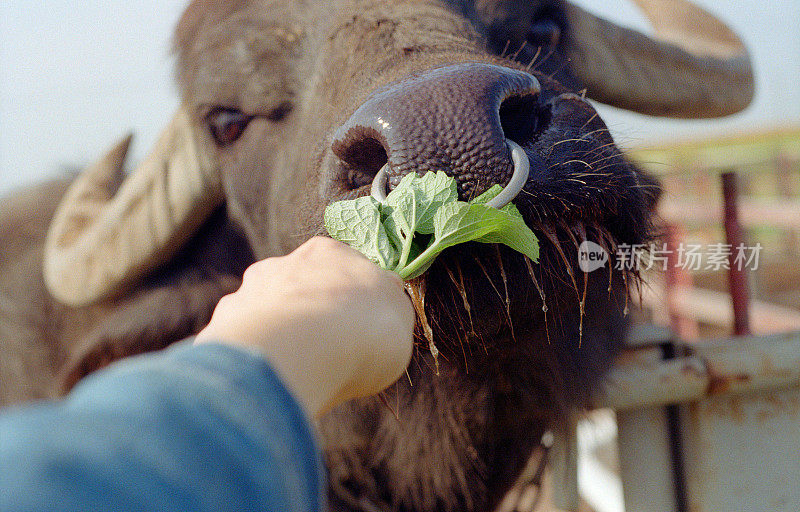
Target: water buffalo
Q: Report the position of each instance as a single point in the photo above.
(289, 105)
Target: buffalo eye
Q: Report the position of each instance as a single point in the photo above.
(227, 125)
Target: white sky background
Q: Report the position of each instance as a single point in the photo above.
(76, 76)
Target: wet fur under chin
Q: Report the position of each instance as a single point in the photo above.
(434, 455)
(508, 372)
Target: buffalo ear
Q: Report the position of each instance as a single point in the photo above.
(177, 302)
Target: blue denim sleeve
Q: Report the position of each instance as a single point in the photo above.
(205, 427)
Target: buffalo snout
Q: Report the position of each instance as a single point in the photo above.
(454, 119)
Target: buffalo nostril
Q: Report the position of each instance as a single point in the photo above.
(363, 154)
(522, 117)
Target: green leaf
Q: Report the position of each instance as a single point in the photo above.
(487, 196)
(460, 222)
(490, 194)
(411, 206)
(421, 218)
(357, 223)
(415, 200)
(515, 234)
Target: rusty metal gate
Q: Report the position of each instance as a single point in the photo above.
(708, 427)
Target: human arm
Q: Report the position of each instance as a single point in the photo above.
(211, 426)
(193, 428)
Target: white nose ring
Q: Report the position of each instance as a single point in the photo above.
(510, 191)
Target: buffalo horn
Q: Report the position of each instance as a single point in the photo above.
(694, 67)
(108, 231)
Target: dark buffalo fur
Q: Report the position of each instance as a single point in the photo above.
(521, 345)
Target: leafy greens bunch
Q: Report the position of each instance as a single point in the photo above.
(421, 218)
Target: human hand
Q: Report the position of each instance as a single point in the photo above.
(333, 324)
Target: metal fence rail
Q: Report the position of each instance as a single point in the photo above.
(709, 427)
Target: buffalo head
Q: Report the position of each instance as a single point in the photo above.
(289, 105)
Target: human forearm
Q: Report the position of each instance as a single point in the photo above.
(195, 428)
